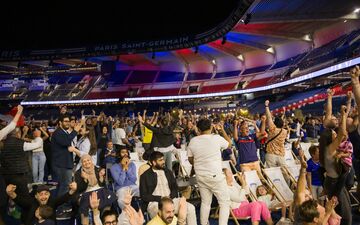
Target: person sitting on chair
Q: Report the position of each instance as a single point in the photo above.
(124, 175)
(166, 214)
(158, 182)
(240, 206)
(90, 179)
(43, 196)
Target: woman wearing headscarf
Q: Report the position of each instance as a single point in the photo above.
(89, 178)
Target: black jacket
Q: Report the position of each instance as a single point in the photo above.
(60, 141)
(13, 157)
(30, 204)
(164, 136)
(148, 182)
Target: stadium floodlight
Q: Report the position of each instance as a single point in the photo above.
(312, 75)
(307, 37)
(240, 57)
(271, 50)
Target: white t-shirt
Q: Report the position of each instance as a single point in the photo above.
(41, 148)
(118, 135)
(206, 150)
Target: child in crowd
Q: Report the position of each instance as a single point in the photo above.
(313, 174)
(43, 214)
(269, 199)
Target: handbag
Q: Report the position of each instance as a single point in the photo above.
(184, 180)
(266, 143)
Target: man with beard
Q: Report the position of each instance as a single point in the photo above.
(42, 197)
(166, 214)
(124, 175)
(63, 159)
(158, 182)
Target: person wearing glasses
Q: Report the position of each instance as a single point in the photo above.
(63, 159)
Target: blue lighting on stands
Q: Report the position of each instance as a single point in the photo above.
(308, 76)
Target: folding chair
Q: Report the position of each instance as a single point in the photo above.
(253, 181)
(184, 161)
(288, 146)
(290, 158)
(276, 179)
(228, 165)
(185, 167)
(294, 172)
(134, 156)
(138, 164)
(355, 201)
(305, 147)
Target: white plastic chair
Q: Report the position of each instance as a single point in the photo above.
(276, 178)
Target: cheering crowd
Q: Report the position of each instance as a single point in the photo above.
(100, 169)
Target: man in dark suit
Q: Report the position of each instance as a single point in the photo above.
(63, 159)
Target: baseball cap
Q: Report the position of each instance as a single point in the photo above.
(41, 188)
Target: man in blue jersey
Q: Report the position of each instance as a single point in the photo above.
(245, 144)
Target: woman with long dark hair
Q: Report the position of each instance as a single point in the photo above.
(86, 144)
(336, 173)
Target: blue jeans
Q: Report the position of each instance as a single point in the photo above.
(63, 176)
(38, 166)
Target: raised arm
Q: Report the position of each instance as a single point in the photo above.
(348, 102)
(269, 120)
(301, 184)
(220, 129)
(44, 132)
(154, 119)
(355, 73)
(144, 115)
(235, 132)
(11, 126)
(341, 133)
(18, 114)
(328, 108)
(148, 126)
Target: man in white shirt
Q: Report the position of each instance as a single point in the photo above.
(204, 152)
(119, 136)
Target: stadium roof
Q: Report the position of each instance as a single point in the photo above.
(62, 35)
